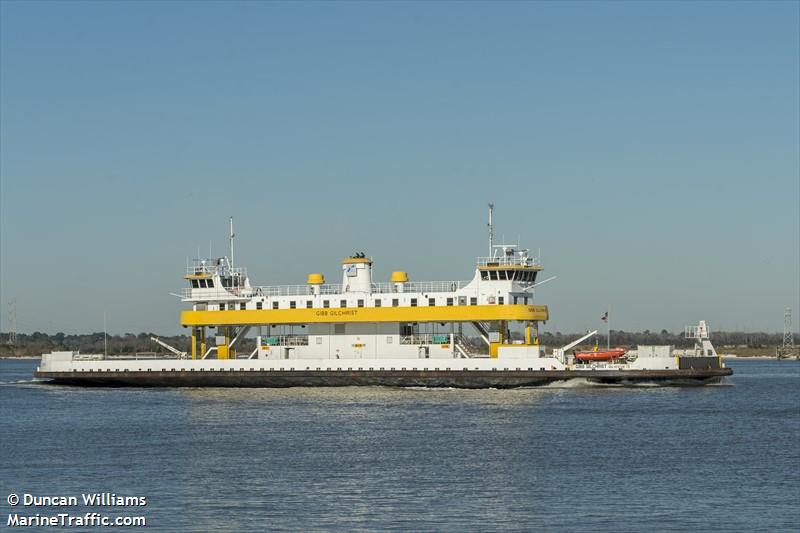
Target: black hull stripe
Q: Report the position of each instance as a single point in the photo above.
(473, 379)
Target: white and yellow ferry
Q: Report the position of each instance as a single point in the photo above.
(363, 332)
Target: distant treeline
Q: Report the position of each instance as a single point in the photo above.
(37, 343)
(632, 339)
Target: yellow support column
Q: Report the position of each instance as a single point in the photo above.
(202, 342)
(528, 333)
(194, 343)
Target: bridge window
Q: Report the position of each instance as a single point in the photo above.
(413, 302)
(431, 301)
(195, 284)
(493, 275)
(211, 284)
(502, 274)
(484, 274)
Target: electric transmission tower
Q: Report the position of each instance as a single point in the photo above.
(787, 348)
(12, 322)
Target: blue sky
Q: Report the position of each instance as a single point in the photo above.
(650, 150)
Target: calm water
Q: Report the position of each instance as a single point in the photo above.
(577, 459)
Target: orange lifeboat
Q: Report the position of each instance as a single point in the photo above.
(599, 355)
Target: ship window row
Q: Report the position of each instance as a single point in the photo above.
(508, 275)
(202, 283)
(413, 302)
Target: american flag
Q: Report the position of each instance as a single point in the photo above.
(604, 318)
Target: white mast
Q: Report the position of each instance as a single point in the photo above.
(491, 235)
(232, 236)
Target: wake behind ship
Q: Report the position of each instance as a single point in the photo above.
(362, 332)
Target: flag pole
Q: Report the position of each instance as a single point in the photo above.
(608, 324)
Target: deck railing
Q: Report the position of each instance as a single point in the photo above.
(210, 266)
(513, 260)
(220, 293)
(284, 340)
(426, 338)
(122, 357)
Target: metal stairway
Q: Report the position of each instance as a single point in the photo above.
(483, 330)
(461, 347)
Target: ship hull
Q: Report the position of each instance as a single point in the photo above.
(468, 379)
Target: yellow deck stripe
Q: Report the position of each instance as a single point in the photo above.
(466, 313)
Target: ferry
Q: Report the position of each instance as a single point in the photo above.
(362, 331)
